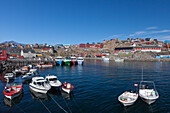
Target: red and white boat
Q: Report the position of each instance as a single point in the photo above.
(42, 64)
(13, 90)
(73, 60)
(67, 87)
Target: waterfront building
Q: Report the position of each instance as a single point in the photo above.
(28, 53)
(135, 49)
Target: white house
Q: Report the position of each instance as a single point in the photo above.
(28, 53)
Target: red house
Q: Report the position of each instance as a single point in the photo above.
(3, 55)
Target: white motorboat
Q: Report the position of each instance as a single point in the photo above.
(148, 93)
(80, 60)
(128, 98)
(34, 71)
(29, 75)
(106, 59)
(17, 71)
(59, 60)
(9, 76)
(39, 84)
(44, 65)
(53, 81)
(119, 60)
(67, 87)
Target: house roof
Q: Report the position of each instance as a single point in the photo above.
(27, 50)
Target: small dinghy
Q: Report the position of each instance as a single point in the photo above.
(53, 81)
(13, 90)
(9, 76)
(67, 87)
(128, 98)
(148, 93)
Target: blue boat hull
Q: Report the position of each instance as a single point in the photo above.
(59, 62)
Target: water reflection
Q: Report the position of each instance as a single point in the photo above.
(14, 101)
(80, 68)
(66, 95)
(55, 92)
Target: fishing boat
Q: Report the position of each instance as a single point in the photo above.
(53, 81)
(13, 90)
(59, 60)
(67, 61)
(148, 92)
(119, 60)
(80, 60)
(67, 87)
(128, 98)
(39, 84)
(73, 60)
(9, 76)
(14, 101)
(44, 65)
(25, 68)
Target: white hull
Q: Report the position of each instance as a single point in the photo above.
(13, 96)
(44, 66)
(128, 104)
(47, 66)
(80, 62)
(148, 101)
(106, 59)
(57, 84)
(67, 90)
(119, 60)
(37, 89)
(128, 98)
(29, 77)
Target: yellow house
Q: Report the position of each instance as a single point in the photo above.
(39, 54)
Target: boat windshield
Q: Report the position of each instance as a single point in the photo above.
(147, 85)
(52, 79)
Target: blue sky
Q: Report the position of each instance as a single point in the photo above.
(82, 21)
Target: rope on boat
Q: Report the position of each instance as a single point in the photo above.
(18, 107)
(58, 104)
(44, 106)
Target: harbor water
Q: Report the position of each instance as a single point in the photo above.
(97, 85)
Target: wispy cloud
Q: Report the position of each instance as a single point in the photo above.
(166, 37)
(162, 31)
(150, 28)
(148, 32)
(138, 33)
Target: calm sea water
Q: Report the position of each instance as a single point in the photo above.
(97, 87)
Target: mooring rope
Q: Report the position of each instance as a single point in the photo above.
(77, 105)
(18, 107)
(67, 106)
(58, 104)
(44, 106)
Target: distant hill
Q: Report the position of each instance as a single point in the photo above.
(16, 43)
